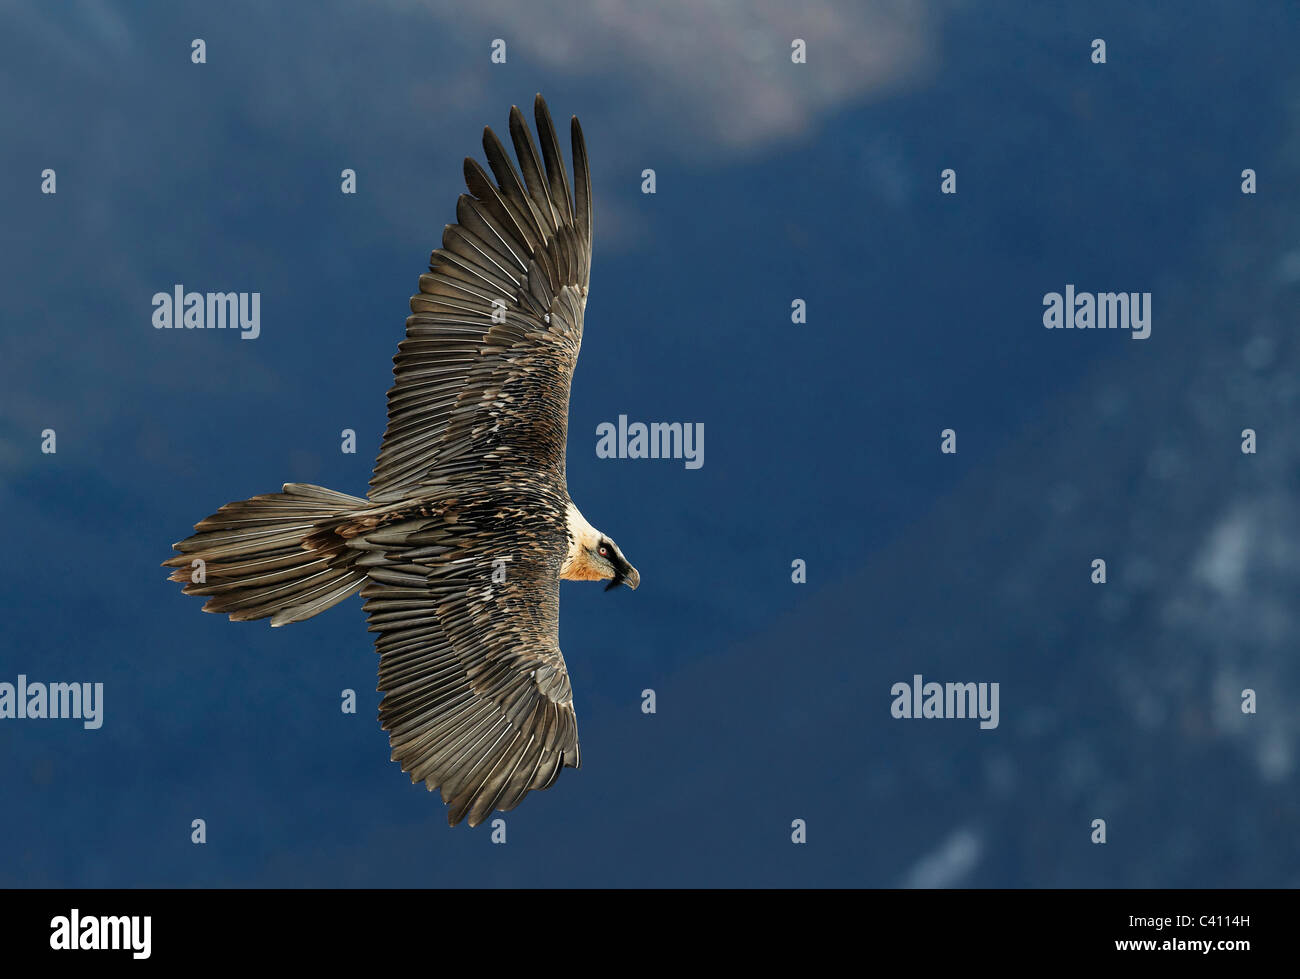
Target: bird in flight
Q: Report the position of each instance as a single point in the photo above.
(468, 528)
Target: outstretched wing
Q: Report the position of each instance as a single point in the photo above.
(466, 600)
(482, 378)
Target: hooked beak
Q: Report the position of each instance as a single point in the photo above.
(625, 576)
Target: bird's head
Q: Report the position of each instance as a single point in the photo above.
(594, 557)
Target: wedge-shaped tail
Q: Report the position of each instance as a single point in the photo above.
(274, 555)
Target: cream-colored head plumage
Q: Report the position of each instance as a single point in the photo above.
(592, 556)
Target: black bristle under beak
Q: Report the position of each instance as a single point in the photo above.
(625, 575)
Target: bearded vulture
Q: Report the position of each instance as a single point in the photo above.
(467, 530)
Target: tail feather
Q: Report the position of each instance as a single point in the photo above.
(257, 560)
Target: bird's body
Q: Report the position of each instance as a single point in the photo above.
(468, 528)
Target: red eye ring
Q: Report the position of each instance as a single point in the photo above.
(604, 552)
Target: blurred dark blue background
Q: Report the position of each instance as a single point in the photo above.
(775, 181)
